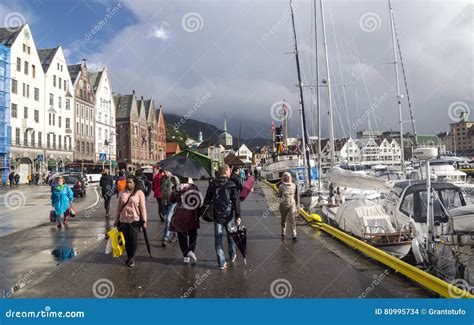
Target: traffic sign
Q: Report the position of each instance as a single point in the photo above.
(39, 158)
(102, 156)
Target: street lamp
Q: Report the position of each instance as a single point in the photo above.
(108, 143)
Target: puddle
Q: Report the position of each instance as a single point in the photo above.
(63, 253)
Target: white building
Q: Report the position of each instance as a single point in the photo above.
(346, 151)
(370, 151)
(26, 99)
(244, 154)
(58, 109)
(105, 132)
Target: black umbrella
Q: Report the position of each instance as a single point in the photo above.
(147, 242)
(184, 167)
(240, 239)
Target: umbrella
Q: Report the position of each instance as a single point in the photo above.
(247, 188)
(184, 167)
(147, 242)
(240, 238)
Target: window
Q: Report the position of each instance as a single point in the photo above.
(54, 119)
(14, 110)
(25, 69)
(51, 99)
(14, 86)
(92, 132)
(24, 48)
(25, 112)
(65, 85)
(87, 147)
(36, 116)
(82, 111)
(29, 50)
(83, 146)
(77, 110)
(27, 91)
(54, 81)
(17, 135)
(100, 134)
(49, 118)
(82, 128)
(59, 121)
(60, 102)
(40, 135)
(70, 147)
(24, 90)
(54, 141)
(68, 104)
(37, 94)
(60, 83)
(33, 138)
(87, 114)
(68, 123)
(48, 140)
(33, 70)
(59, 141)
(58, 66)
(77, 127)
(25, 138)
(18, 64)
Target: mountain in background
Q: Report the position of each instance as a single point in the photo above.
(209, 132)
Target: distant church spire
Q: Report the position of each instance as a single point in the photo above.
(225, 123)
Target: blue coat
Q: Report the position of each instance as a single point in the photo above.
(61, 199)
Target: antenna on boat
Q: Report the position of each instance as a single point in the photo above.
(305, 140)
(399, 96)
(318, 101)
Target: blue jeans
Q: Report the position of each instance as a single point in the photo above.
(218, 236)
(168, 212)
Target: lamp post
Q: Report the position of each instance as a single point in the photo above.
(108, 143)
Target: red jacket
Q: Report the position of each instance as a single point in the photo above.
(185, 216)
(156, 185)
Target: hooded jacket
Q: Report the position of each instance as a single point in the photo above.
(61, 198)
(286, 193)
(234, 195)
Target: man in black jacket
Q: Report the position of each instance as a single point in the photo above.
(235, 177)
(224, 195)
(108, 189)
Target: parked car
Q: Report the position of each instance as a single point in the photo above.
(76, 184)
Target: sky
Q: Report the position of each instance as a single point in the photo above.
(235, 58)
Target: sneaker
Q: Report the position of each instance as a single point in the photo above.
(223, 267)
(283, 236)
(186, 260)
(59, 225)
(127, 261)
(131, 263)
(295, 239)
(233, 258)
(192, 256)
(163, 243)
(173, 239)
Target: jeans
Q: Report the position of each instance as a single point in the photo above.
(187, 241)
(168, 211)
(160, 209)
(218, 236)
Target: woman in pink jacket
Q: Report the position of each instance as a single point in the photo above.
(131, 215)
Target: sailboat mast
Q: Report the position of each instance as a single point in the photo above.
(318, 101)
(300, 86)
(399, 97)
(331, 119)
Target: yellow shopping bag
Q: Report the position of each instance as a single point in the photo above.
(117, 241)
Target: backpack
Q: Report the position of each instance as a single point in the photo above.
(121, 183)
(222, 202)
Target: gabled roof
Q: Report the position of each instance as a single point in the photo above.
(8, 35)
(123, 106)
(232, 160)
(94, 78)
(339, 143)
(46, 57)
(172, 148)
(159, 114)
(74, 70)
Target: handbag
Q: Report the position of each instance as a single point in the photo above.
(206, 212)
(70, 212)
(52, 216)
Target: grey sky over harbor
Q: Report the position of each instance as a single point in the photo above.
(238, 51)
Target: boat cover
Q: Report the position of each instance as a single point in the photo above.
(347, 178)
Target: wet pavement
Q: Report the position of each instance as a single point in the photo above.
(317, 265)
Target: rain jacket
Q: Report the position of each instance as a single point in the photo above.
(61, 198)
(188, 201)
(156, 185)
(286, 193)
(167, 184)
